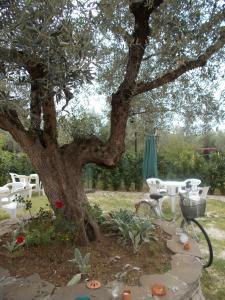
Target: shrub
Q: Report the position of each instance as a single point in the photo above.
(81, 262)
(132, 228)
(96, 212)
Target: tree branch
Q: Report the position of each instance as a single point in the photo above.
(140, 35)
(9, 121)
(121, 99)
(92, 149)
(35, 107)
(49, 116)
(183, 68)
(18, 57)
(42, 100)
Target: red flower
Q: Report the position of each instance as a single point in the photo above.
(20, 239)
(58, 204)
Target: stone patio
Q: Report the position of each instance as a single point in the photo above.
(182, 281)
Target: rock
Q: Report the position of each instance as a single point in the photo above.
(176, 288)
(175, 246)
(3, 274)
(167, 227)
(70, 292)
(114, 259)
(7, 226)
(28, 288)
(186, 267)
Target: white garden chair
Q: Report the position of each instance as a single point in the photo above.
(8, 193)
(192, 184)
(34, 183)
(156, 186)
(26, 181)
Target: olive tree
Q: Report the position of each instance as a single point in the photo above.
(49, 50)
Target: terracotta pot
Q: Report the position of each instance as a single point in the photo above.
(158, 290)
(187, 246)
(126, 295)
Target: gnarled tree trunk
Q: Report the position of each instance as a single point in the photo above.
(61, 178)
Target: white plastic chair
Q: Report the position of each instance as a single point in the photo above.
(8, 193)
(31, 182)
(34, 183)
(203, 192)
(156, 186)
(14, 177)
(192, 185)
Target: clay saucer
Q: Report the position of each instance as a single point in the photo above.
(93, 284)
(158, 290)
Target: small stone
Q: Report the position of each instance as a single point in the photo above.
(127, 266)
(136, 269)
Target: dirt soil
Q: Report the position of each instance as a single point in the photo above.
(108, 258)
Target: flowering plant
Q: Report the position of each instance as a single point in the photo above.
(15, 243)
(20, 240)
(59, 204)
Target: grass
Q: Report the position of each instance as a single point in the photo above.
(213, 278)
(115, 200)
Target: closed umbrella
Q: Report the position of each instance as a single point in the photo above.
(150, 158)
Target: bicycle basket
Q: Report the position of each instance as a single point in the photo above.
(192, 208)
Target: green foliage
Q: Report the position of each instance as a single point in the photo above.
(132, 228)
(175, 157)
(45, 229)
(83, 263)
(75, 279)
(12, 245)
(13, 163)
(212, 171)
(115, 178)
(136, 240)
(128, 174)
(95, 211)
(27, 203)
(132, 170)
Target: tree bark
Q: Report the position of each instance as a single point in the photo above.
(61, 178)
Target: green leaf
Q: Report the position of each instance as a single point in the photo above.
(78, 256)
(74, 280)
(86, 258)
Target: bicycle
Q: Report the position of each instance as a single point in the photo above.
(190, 209)
(156, 206)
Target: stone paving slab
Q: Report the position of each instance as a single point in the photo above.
(167, 227)
(70, 292)
(3, 274)
(186, 267)
(29, 288)
(176, 288)
(177, 247)
(6, 226)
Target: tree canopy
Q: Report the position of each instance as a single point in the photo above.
(80, 42)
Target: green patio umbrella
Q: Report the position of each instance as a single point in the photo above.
(150, 158)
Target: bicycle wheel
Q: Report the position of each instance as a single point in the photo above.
(165, 209)
(195, 230)
(146, 209)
